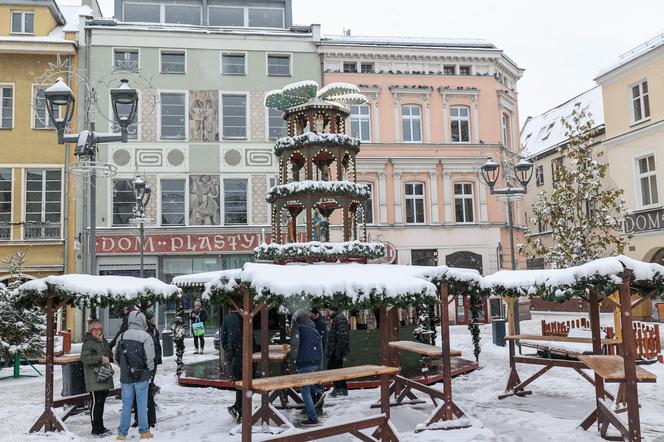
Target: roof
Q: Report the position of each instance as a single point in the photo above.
(545, 132)
(408, 41)
(72, 16)
(633, 54)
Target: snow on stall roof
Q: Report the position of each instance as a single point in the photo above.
(205, 277)
(545, 131)
(121, 287)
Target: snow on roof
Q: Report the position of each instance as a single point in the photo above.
(72, 14)
(633, 54)
(408, 41)
(200, 279)
(546, 132)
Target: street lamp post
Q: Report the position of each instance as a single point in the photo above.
(60, 107)
(523, 171)
(142, 193)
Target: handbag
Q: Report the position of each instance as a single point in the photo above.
(198, 328)
(104, 373)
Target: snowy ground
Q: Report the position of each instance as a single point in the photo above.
(560, 400)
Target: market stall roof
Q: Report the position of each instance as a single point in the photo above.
(90, 290)
(200, 279)
(605, 274)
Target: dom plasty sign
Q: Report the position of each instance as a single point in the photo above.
(644, 221)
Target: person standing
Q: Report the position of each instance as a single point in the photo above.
(231, 342)
(135, 354)
(307, 351)
(338, 347)
(198, 316)
(96, 352)
(152, 388)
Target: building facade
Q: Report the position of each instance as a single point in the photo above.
(203, 139)
(437, 109)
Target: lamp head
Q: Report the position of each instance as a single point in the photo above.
(121, 97)
(490, 171)
(523, 171)
(57, 96)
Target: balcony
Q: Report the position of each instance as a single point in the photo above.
(37, 231)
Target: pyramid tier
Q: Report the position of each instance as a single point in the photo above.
(315, 251)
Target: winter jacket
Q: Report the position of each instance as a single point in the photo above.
(306, 343)
(91, 353)
(135, 348)
(231, 342)
(338, 339)
(152, 331)
(198, 316)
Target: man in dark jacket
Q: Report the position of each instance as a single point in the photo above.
(135, 354)
(307, 351)
(198, 314)
(152, 406)
(338, 347)
(231, 342)
(95, 352)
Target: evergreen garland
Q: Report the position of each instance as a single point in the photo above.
(473, 325)
(314, 139)
(315, 249)
(179, 332)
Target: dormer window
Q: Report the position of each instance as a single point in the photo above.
(23, 22)
(546, 131)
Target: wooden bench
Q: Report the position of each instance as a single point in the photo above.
(517, 387)
(611, 369)
(280, 353)
(267, 412)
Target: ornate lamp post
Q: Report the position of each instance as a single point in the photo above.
(142, 193)
(60, 106)
(523, 171)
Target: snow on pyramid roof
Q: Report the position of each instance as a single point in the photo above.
(545, 132)
(200, 279)
(89, 290)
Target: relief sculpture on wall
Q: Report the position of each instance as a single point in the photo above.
(204, 116)
(204, 200)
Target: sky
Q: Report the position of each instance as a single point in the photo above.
(561, 44)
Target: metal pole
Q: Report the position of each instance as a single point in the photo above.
(142, 232)
(510, 228)
(93, 209)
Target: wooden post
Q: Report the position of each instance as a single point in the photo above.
(631, 391)
(511, 325)
(445, 341)
(247, 352)
(265, 359)
(384, 333)
(597, 345)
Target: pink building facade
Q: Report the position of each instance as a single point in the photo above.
(437, 109)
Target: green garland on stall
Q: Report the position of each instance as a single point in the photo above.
(315, 249)
(473, 325)
(313, 188)
(310, 139)
(179, 332)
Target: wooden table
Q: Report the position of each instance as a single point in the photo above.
(63, 360)
(276, 353)
(611, 368)
(516, 387)
(274, 383)
(280, 353)
(421, 348)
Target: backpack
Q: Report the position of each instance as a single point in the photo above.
(135, 362)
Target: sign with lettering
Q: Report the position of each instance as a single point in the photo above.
(644, 221)
(182, 243)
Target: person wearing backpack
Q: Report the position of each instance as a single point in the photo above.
(96, 357)
(198, 317)
(135, 354)
(153, 388)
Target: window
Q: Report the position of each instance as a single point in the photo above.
(648, 181)
(640, 102)
(23, 22)
(233, 64)
(141, 12)
(234, 118)
(182, 14)
(424, 257)
(6, 107)
(539, 175)
(173, 202)
(173, 116)
(367, 68)
(556, 166)
(132, 129)
(414, 203)
(507, 134)
(266, 17)
(278, 65)
(411, 119)
(449, 69)
(125, 59)
(5, 203)
(460, 123)
(463, 202)
(368, 205)
(464, 70)
(124, 201)
(350, 67)
(360, 126)
(42, 203)
(173, 62)
(235, 201)
(220, 16)
(546, 131)
(276, 125)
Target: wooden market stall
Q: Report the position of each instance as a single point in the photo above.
(83, 291)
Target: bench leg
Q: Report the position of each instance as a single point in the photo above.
(48, 421)
(592, 381)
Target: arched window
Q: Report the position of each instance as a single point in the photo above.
(414, 193)
(460, 124)
(464, 202)
(507, 131)
(411, 122)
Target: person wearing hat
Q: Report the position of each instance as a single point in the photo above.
(338, 346)
(321, 326)
(152, 388)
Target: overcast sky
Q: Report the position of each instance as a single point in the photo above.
(561, 44)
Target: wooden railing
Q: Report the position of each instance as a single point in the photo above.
(647, 338)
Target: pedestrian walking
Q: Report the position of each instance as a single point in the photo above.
(198, 317)
(152, 388)
(307, 351)
(96, 357)
(135, 354)
(338, 347)
(231, 342)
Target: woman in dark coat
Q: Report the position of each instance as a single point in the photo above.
(95, 352)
